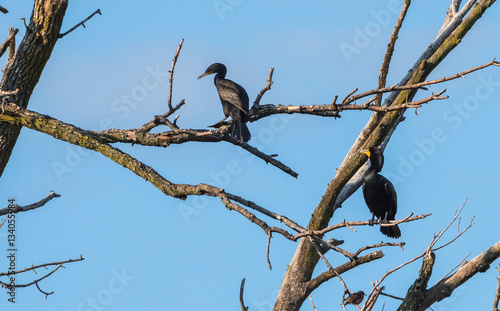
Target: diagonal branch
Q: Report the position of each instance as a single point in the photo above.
(384, 70)
(17, 208)
(7, 42)
(82, 23)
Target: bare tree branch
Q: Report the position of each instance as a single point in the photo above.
(325, 276)
(57, 129)
(256, 103)
(7, 42)
(57, 264)
(242, 288)
(358, 223)
(17, 208)
(171, 80)
(80, 23)
(269, 237)
(384, 69)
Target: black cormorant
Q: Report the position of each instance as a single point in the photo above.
(379, 193)
(234, 101)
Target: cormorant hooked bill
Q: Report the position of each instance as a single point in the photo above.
(379, 193)
(234, 101)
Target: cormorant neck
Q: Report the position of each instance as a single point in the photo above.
(376, 161)
(219, 76)
(371, 173)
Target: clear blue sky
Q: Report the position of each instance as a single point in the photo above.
(144, 252)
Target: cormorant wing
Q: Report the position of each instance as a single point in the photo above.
(233, 93)
(389, 188)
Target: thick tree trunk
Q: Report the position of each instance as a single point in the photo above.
(25, 68)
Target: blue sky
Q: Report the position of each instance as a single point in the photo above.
(143, 251)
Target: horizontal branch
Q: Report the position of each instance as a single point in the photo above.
(359, 223)
(17, 208)
(141, 136)
(42, 266)
(348, 103)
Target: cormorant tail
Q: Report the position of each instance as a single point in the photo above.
(240, 131)
(392, 232)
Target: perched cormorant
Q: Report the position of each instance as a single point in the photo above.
(234, 101)
(355, 298)
(379, 193)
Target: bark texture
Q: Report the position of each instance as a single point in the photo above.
(25, 67)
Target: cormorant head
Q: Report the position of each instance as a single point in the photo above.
(217, 68)
(376, 157)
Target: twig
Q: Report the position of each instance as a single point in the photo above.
(344, 101)
(242, 303)
(7, 42)
(98, 11)
(442, 232)
(9, 93)
(16, 208)
(393, 297)
(45, 265)
(28, 29)
(312, 303)
(256, 103)
(3, 10)
(416, 104)
(269, 237)
(159, 120)
(46, 294)
(459, 264)
(384, 69)
(171, 80)
(364, 248)
(372, 298)
(328, 264)
(59, 265)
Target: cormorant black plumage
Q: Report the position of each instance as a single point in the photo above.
(234, 101)
(379, 193)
